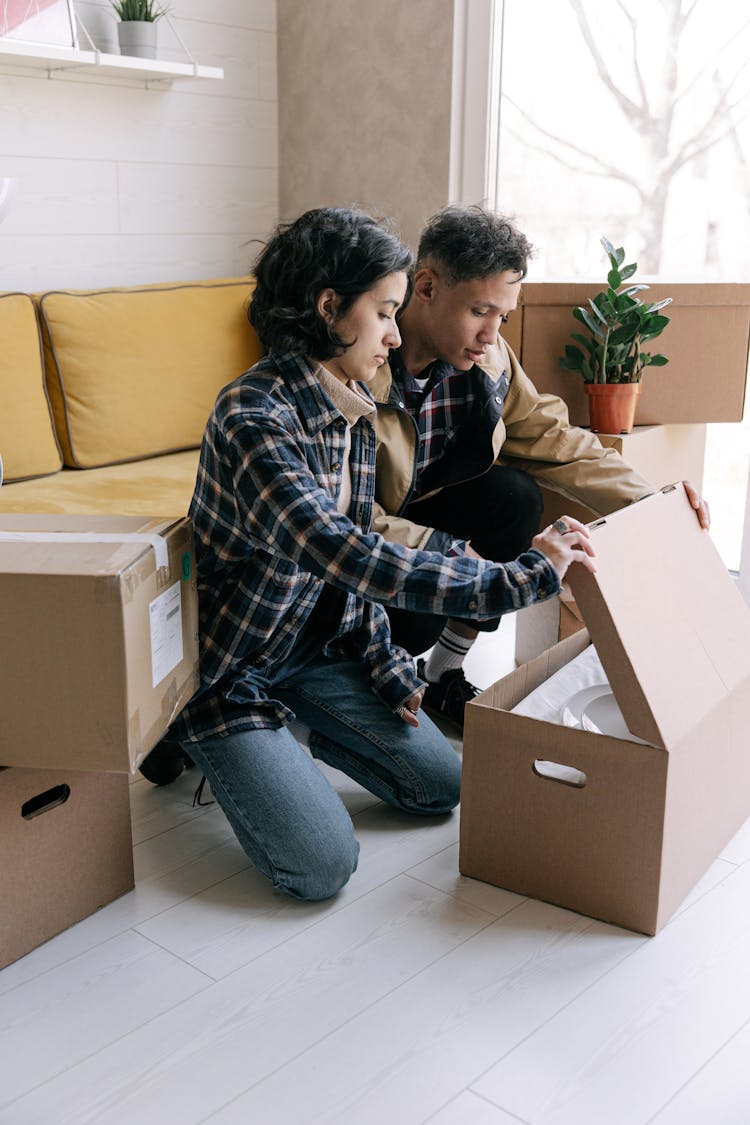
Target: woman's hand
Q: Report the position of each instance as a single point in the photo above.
(564, 542)
(408, 711)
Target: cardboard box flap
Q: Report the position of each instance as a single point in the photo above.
(670, 626)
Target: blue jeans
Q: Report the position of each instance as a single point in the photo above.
(285, 814)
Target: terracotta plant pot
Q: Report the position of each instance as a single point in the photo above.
(612, 406)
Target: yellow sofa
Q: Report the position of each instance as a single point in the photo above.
(104, 393)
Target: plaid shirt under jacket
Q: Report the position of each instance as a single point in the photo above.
(269, 537)
(439, 409)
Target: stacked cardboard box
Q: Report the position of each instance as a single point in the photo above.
(629, 843)
(707, 345)
(99, 652)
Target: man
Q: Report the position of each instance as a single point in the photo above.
(464, 438)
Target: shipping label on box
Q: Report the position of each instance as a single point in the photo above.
(98, 637)
(167, 650)
(673, 635)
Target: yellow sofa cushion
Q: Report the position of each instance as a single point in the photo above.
(157, 486)
(134, 372)
(28, 446)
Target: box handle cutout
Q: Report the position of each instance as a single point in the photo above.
(563, 775)
(42, 803)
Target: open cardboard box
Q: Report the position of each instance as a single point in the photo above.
(98, 637)
(67, 850)
(542, 625)
(673, 634)
(662, 454)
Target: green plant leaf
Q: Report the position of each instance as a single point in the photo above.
(633, 289)
(574, 354)
(613, 279)
(625, 303)
(147, 11)
(658, 360)
(655, 324)
(586, 318)
(608, 306)
(597, 310)
(625, 334)
(587, 342)
(628, 271)
(617, 256)
(659, 305)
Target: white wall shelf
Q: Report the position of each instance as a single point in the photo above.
(57, 60)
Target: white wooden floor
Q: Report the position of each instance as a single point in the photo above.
(414, 996)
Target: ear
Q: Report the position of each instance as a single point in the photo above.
(426, 284)
(328, 304)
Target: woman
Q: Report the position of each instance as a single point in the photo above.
(291, 576)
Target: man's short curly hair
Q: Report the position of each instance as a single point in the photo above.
(327, 248)
(471, 243)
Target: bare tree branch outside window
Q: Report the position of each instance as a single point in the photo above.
(657, 100)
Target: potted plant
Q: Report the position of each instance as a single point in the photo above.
(136, 31)
(611, 358)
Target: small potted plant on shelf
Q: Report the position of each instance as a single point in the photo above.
(136, 31)
(611, 358)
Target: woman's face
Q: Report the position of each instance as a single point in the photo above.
(370, 323)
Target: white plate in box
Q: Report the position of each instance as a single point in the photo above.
(573, 710)
(595, 709)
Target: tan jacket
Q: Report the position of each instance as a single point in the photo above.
(515, 426)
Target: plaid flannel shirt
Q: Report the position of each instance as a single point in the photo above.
(439, 409)
(269, 537)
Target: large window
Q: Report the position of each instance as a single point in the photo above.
(633, 121)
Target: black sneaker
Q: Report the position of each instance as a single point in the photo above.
(448, 697)
(165, 763)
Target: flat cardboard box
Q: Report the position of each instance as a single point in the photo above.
(707, 344)
(662, 454)
(673, 634)
(98, 637)
(67, 850)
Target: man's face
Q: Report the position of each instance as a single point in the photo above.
(463, 320)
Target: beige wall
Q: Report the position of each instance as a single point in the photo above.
(365, 106)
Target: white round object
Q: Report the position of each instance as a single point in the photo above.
(572, 712)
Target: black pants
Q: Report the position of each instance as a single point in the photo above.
(499, 512)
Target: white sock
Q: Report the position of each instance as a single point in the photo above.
(449, 653)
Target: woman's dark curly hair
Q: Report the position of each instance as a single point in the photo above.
(327, 248)
(469, 243)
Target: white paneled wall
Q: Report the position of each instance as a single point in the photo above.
(122, 184)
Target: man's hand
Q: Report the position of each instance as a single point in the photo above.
(699, 504)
